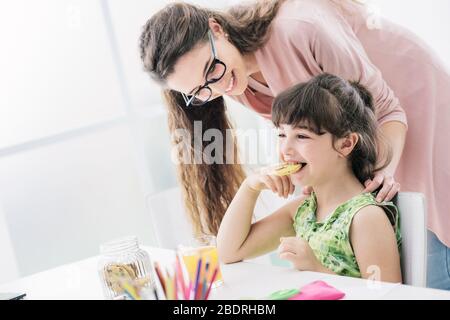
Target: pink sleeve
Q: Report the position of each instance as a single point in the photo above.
(337, 50)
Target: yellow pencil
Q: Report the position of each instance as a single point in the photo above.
(169, 285)
(130, 290)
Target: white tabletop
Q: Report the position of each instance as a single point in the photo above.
(80, 280)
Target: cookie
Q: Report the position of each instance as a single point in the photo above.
(287, 169)
(116, 273)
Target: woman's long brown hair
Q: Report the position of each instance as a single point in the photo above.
(169, 34)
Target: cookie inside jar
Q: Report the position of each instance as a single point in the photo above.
(124, 268)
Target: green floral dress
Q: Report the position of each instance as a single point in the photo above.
(330, 239)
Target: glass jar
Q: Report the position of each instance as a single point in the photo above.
(123, 263)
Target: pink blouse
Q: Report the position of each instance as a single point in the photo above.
(406, 78)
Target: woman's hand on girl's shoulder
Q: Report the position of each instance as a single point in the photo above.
(263, 180)
(388, 191)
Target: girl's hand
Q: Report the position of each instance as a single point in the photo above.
(298, 251)
(280, 185)
(388, 191)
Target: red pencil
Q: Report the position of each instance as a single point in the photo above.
(161, 278)
(181, 277)
(211, 282)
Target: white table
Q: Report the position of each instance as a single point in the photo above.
(80, 280)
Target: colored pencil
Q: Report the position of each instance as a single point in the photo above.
(181, 277)
(175, 285)
(189, 291)
(130, 290)
(169, 286)
(161, 278)
(197, 278)
(212, 281)
(155, 292)
(205, 277)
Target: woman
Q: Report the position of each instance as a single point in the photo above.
(253, 53)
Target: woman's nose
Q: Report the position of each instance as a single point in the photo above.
(218, 88)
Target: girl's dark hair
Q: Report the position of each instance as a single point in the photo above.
(167, 36)
(331, 104)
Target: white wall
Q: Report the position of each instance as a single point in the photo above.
(73, 167)
(83, 134)
(8, 263)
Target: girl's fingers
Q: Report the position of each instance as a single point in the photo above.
(269, 183)
(286, 186)
(279, 184)
(286, 247)
(289, 244)
(288, 239)
(287, 256)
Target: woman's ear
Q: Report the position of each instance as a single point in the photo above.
(215, 27)
(347, 144)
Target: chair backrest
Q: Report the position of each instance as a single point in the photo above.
(171, 225)
(413, 228)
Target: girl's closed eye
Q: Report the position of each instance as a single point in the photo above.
(299, 136)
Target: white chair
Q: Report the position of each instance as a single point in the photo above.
(171, 225)
(413, 226)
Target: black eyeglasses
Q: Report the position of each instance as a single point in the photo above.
(215, 72)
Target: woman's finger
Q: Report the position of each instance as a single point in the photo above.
(375, 184)
(395, 189)
(388, 183)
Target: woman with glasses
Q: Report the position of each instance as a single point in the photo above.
(252, 53)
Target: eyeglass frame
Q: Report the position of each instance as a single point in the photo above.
(214, 62)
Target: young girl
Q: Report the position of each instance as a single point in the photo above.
(328, 126)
